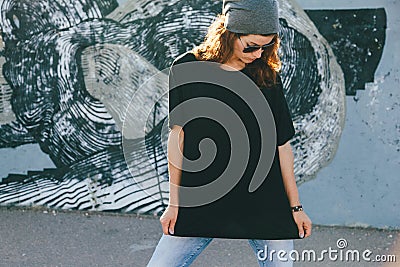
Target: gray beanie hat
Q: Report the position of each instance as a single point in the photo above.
(251, 16)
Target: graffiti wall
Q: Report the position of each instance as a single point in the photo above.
(360, 185)
(84, 101)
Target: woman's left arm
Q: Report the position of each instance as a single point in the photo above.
(286, 160)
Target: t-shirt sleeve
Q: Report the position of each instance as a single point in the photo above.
(284, 124)
(175, 97)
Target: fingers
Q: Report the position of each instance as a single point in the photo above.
(168, 225)
(172, 226)
(307, 228)
(164, 224)
(301, 230)
(304, 224)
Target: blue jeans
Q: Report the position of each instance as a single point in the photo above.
(177, 251)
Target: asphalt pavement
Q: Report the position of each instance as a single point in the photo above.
(42, 237)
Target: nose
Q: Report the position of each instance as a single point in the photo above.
(258, 53)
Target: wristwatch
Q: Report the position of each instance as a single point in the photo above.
(297, 208)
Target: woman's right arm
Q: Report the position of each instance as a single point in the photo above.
(175, 157)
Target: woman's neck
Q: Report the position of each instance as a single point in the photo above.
(233, 65)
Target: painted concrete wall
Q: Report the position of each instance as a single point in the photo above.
(347, 141)
(360, 186)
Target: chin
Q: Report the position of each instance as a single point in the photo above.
(247, 61)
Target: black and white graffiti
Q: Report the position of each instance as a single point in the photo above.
(71, 68)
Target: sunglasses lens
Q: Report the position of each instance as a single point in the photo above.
(250, 49)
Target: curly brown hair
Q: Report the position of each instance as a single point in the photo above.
(217, 47)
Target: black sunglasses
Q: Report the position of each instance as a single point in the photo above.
(252, 48)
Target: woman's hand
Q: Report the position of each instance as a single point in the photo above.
(303, 223)
(168, 219)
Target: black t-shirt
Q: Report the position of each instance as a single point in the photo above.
(262, 214)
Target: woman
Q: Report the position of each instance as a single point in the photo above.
(243, 40)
